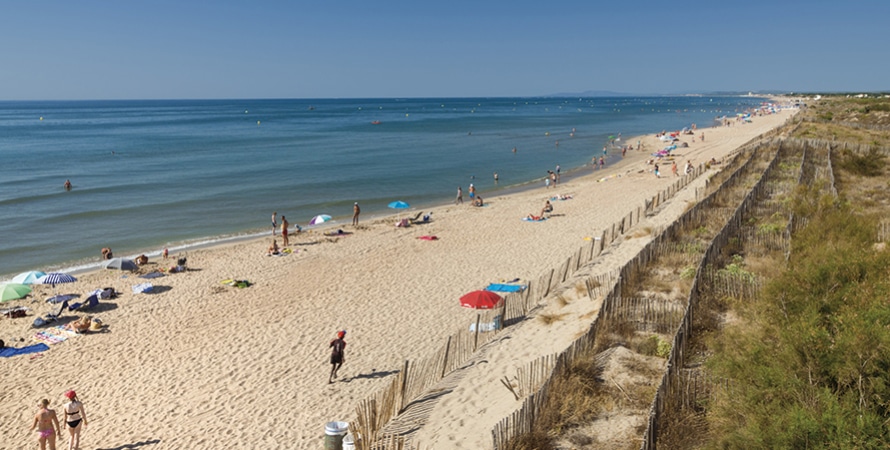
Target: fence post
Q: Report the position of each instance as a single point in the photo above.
(404, 388)
(476, 339)
(445, 359)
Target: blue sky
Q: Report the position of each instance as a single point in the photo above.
(341, 49)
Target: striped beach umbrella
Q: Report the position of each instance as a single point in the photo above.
(319, 219)
(55, 278)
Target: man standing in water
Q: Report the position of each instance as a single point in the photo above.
(274, 222)
(284, 226)
(338, 353)
(355, 212)
(460, 196)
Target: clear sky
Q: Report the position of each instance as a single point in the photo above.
(87, 49)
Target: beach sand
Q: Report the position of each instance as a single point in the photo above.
(199, 364)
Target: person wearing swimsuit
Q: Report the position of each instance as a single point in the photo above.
(337, 354)
(47, 425)
(75, 418)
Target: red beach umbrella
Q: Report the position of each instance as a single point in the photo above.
(481, 300)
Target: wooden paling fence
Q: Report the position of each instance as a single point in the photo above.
(522, 421)
(675, 386)
(417, 377)
(669, 393)
(614, 307)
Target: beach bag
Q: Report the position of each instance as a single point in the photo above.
(16, 313)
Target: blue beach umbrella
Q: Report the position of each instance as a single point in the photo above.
(29, 277)
(399, 205)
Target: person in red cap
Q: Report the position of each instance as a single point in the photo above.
(75, 419)
(338, 351)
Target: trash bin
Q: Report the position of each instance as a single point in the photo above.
(333, 435)
(348, 442)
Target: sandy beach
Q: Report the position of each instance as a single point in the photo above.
(200, 364)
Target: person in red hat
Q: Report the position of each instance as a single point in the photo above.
(75, 419)
(338, 354)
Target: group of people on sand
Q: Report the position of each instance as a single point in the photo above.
(283, 228)
(46, 422)
(474, 197)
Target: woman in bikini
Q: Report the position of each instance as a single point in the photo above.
(47, 425)
(75, 418)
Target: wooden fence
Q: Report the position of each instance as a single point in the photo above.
(678, 390)
(417, 377)
(648, 313)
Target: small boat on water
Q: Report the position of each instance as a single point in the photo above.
(376, 122)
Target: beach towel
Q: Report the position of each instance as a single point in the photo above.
(499, 287)
(540, 219)
(237, 283)
(11, 351)
(54, 335)
(428, 238)
(151, 275)
(142, 288)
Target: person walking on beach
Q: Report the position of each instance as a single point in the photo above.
(355, 212)
(47, 424)
(274, 223)
(460, 196)
(674, 169)
(284, 226)
(338, 354)
(472, 191)
(75, 418)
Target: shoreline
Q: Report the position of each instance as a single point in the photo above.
(199, 358)
(81, 267)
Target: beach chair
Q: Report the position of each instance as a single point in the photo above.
(91, 302)
(426, 219)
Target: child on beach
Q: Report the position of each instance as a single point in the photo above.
(338, 352)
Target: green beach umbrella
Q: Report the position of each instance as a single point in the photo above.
(13, 291)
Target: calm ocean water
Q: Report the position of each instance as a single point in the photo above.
(149, 174)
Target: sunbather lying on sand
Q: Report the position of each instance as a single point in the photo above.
(79, 325)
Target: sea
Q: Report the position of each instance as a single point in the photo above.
(150, 174)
